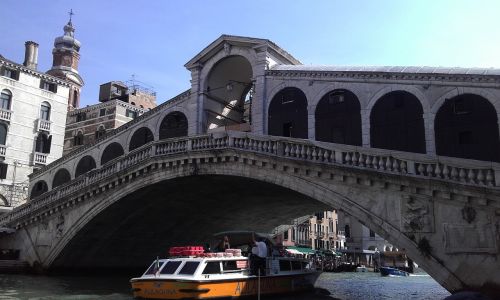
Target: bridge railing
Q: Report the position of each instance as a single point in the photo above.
(467, 172)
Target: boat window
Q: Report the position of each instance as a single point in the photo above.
(230, 265)
(296, 265)
(155, 266)
(171, 267)
(284, 265)
(213, 267)
(189, 268)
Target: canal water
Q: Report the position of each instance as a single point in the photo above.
(345, 286)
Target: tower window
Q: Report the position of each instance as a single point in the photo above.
(102, 112)
(81, 117)
(45, 111)
(5, 98)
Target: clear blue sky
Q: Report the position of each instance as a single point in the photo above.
(154, 39)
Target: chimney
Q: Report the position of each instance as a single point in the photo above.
(31, 55)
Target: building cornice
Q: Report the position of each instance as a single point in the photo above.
(41, 75)
(111, 103)
(376, 76)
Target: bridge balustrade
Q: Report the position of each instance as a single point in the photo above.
(467, 172)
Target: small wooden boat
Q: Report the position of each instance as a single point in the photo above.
(387, 271)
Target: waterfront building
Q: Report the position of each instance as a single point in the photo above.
(120, 103)
(360, 241)
(33, 114)
(318, 232)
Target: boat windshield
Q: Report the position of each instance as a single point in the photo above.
(155, 266)
(189, 268)
(171, 267)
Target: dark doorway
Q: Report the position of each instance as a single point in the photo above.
(397, 123)
(466, 126)
(141, 137)
(338, 118)
(175, 124)
(288, 114)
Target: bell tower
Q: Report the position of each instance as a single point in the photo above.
(65, 61)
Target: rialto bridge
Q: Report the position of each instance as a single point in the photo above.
(260, 139)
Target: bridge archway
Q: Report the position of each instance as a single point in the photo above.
(111, 152)
(86, 164)
(61, 177)
(397, 123)
(466, 126)
(287, 115)
(174, 124)
(141, 137)
(226, 91)
(39, 188)
(338, 118)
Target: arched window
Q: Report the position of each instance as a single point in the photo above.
(5, 99)
(78, 139)
(338, 118)
(85, 164)
(75, 98)
(45, 111)
(43, 142)
(62, 176)
(141, 136)
(100, 132)
(111, 152)
(175, 124)
(466, 126)
(287, 114)
(397, 123)
(39, 188)
(3, 133)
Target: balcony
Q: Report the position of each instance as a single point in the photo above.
(40, 158)
(3, 149)
(43, 125)
(5, 114)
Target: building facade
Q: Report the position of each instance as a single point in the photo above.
(32, 120)
(119, 104)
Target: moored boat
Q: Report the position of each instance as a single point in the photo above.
(387, 271)
(196, 275)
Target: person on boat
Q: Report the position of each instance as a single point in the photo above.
(207, 249)
(260, 256)
(224, 244)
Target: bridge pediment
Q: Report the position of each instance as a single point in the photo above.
(225, 42)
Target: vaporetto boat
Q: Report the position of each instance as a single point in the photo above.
(222, 275)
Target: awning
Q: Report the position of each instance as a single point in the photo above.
(301, 250)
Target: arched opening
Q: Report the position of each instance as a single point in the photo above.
(111, 152)
(5, 99)
(39, 188)
(43, 142)
(101, 131)
(75, 99)
(287, 114)
(347, 230)
(78, 139)
(45, 111)
(141, 136)
(338, 118)
(175, 124)
(3, 133)
(397, 123)
(85, 164)
(227, 89)
(62, 176)
(466, 126)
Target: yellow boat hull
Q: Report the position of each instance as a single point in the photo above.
(157, 288)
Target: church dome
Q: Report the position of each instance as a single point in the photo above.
(68, 40)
